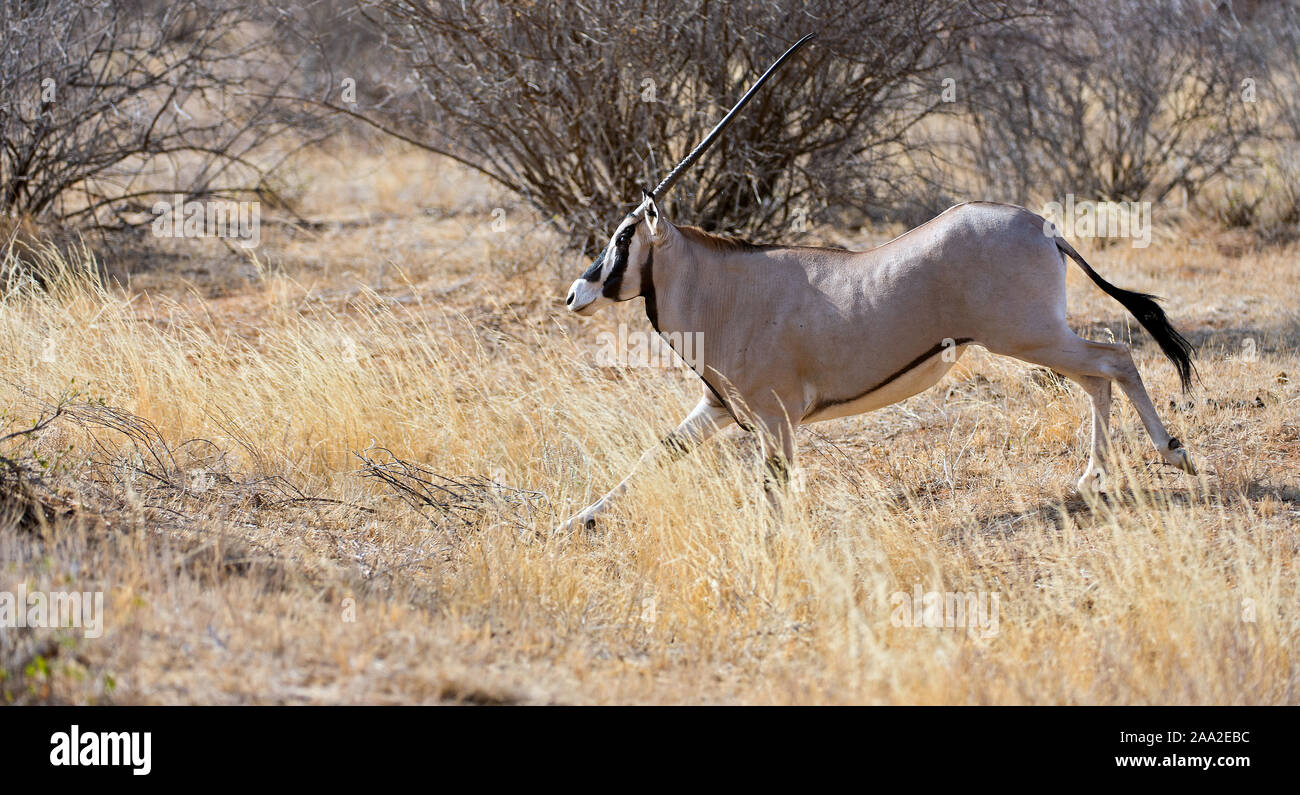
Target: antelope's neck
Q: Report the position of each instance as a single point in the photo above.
(666, 282)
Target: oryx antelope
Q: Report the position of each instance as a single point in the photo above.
(798, 334)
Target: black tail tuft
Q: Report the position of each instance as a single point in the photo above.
(1149, 314)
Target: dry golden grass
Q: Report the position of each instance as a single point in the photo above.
(433, 326)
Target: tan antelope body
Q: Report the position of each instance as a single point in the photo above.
(798, 334)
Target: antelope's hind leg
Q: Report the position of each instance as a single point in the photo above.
(1094, 477)
(706, 419)
(1081, 360)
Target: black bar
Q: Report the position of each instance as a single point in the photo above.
(239, 745)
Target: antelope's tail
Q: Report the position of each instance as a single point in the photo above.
(1148, 313)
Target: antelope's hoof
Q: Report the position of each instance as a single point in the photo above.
(1176, 455)
(1092, 483)
(585, 520)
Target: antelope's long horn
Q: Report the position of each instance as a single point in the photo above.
(703, 146)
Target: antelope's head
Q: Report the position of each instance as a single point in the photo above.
(619, 273)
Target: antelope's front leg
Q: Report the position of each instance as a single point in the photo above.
(706, 419)
(779, 459)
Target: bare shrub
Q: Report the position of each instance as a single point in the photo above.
(27, 498)
(104, 106)
(342, 59)
(576, 108)
(458, 502)
(1268, 198)
(1114, 99)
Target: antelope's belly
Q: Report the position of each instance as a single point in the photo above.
(916, 379)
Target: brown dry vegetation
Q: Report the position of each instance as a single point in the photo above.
(229, 524)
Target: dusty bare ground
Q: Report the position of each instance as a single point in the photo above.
(204, 475)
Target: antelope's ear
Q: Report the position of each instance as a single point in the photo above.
(651, 213)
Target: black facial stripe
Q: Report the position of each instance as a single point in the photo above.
(593, 273)
(615, 278)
